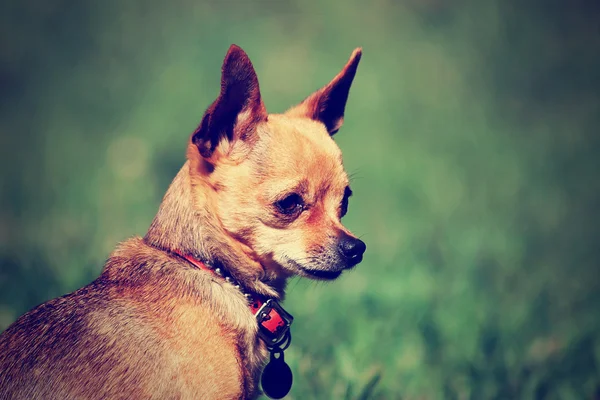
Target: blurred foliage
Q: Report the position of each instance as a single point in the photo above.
(472, 131)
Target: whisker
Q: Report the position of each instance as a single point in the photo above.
(355, 174)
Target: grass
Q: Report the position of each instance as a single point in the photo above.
(471, 133)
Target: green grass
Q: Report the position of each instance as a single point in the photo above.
(471, 133)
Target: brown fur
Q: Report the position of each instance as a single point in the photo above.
(154, 327)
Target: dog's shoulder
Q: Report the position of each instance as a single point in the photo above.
(148, 325)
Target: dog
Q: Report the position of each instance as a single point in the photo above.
(180, 313)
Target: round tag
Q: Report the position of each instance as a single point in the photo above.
(277, 377)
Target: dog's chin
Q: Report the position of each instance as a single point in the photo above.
(316, 274)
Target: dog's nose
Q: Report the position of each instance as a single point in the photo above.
(352, 249)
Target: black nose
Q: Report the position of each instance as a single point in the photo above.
(352, 249)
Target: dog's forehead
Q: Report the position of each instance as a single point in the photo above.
(299, 147)
(302, 134)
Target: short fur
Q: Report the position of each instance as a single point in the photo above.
(153, 326)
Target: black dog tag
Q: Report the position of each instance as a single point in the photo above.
(277, 377)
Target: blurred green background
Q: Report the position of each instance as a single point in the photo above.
(472, 131)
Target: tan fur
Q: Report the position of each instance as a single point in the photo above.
(266, 173)
(153, 326)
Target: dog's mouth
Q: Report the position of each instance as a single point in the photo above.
(320, 274)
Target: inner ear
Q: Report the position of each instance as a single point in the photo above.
(327, 104)
(233, 116)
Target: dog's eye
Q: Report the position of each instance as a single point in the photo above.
(344, 205)
(290, 204)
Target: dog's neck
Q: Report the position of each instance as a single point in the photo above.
(185, 223)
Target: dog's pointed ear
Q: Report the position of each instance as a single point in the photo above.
(328, 103)
(233, 116)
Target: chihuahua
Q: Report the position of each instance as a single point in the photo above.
(191, 310)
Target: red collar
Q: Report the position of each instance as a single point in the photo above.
(273, 321)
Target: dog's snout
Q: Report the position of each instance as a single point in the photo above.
(351, 249)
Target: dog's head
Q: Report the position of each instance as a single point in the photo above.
(276, 181)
